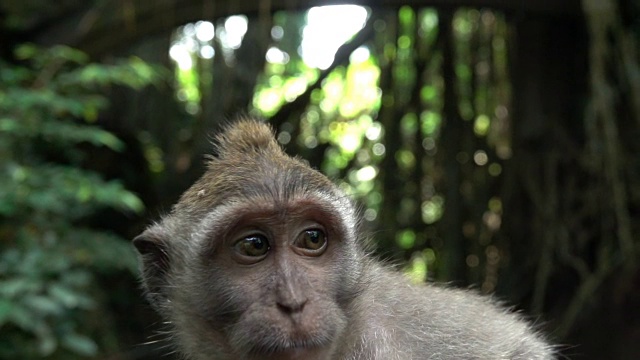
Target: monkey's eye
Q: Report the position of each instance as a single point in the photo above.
(312, 242)
(253, 245)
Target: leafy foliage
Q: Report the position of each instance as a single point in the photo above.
(47, 261)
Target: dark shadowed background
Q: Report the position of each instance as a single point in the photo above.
(491, 144)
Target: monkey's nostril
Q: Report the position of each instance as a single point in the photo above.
(291, 307)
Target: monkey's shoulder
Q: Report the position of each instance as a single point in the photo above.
(448, 323)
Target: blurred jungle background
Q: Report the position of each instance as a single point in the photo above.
(492, 144)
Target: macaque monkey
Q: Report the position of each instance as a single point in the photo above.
(262, 259)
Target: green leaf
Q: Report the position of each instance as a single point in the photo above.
(66, 296)
(13, 287)
(77, 133)
(132, 202)
(80, 344)
(22, 318)
(42, 304)
(69, 54)
(26, 51)
(47, 344)
(6, 307)
(8, 124)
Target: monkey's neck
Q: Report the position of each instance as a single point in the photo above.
(372, 313)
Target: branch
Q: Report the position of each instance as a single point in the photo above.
(341, 58)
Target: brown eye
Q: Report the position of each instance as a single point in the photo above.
(253, 245)
(313, 242)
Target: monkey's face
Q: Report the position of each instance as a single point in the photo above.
(267, 273)
(259, 258)
(276, 288)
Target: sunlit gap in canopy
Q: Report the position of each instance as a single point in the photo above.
(196, 39)
(194, 42)
(288, 75)
(349, 93)
(327, 28)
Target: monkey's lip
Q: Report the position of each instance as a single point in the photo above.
(293, 347)
(301, 349)
(296, 353)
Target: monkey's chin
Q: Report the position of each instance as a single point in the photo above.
(316, 348)
(298, 353)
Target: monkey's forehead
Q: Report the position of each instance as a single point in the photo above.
(265, 195)
(316, 205)
(276, 177)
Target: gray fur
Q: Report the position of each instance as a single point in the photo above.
(356, 308)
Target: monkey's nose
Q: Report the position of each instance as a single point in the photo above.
(291, 307)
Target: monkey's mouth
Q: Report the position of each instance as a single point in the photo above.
(299, 350)
(293, 347)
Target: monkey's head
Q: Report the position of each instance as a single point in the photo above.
(258, 259)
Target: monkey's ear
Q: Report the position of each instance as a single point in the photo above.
(155, 266)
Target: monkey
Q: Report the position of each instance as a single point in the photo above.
(263, 258)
